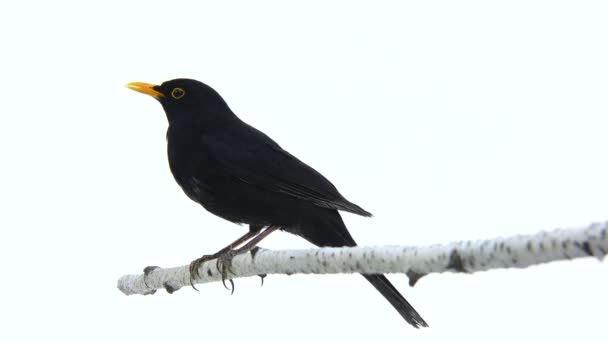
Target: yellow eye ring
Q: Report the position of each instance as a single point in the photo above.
(178, 93)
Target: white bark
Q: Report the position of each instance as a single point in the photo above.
(466, 256)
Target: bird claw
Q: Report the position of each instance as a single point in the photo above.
(195, 266)
(224, 266)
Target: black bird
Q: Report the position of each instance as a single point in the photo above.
(240, 174)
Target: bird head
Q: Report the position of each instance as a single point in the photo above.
(186, 100)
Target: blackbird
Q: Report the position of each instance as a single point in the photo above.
(240, 174)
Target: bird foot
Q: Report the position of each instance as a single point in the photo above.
(224, 266)
(195, 266)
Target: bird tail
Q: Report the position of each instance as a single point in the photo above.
(330, 231)
(405, 309)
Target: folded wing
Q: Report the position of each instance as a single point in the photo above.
(260, 161)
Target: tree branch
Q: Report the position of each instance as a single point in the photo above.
(466, 256)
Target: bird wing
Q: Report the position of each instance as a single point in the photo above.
(254, 158)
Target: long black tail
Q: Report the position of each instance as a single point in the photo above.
(330, 231)
(405, 309)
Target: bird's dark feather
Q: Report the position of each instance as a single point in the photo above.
(262, 162)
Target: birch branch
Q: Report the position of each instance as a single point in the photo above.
(518, 251)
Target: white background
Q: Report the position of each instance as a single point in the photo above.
(448, 120)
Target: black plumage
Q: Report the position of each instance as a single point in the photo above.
(240, 174)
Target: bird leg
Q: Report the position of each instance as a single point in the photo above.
(224, 261)
(195, 265)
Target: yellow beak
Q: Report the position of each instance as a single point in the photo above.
(145, 88)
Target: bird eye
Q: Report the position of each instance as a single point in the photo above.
(178, 93)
